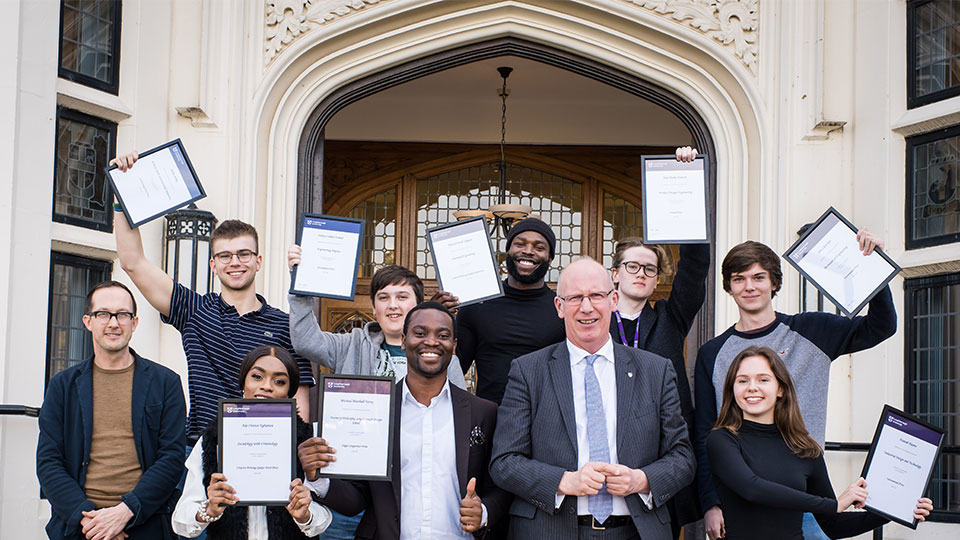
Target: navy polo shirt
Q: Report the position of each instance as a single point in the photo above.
(215, 340)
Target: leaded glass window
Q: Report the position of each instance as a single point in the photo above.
(554, 199)
(933, 50)
(933, 194)
(68, 341)
(380, 231)
(82, 194)
(932, 376)
(90, 42)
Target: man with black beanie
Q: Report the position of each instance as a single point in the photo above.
(523, 320)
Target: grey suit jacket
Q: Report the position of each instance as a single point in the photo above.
(536, 440)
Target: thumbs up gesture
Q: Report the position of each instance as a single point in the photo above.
(471, 511)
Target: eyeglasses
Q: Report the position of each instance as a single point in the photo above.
(244, 256)
(576, 299)
(123, 317)
(649, 270)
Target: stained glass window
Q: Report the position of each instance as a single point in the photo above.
(90, 42)
(82, 194)
(380, 231)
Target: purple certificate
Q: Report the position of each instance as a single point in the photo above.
(356, 418)
(257, 450)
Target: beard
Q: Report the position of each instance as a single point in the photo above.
(538, 273)
(413, 364)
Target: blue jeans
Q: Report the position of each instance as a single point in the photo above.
(342, 527)
(811, 529)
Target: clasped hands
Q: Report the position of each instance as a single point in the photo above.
(620, 480)
(315, 454)
(106, 523)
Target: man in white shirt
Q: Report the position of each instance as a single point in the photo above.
(591, 440)
(440, 486)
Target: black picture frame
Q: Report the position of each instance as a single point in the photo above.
(293, 442)
(493, 256)
(180, 204)
(888, 410)
(359, 223)
(391, 443)
(831, 211)
(700, 158)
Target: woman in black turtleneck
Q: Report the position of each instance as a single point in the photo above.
(768, 470)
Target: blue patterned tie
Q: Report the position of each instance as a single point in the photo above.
(601, 504)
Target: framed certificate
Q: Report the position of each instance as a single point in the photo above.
(675, 200)
(162, 181)
(357, 418)
(258, 448)
(899, 464)
(829, 255)
(329, 258)
(464, 259)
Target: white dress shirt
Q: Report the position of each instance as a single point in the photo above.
(184, 519)
(606, 373)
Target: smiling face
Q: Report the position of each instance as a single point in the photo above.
(390, 307)
(235, 275)
(752, 290)
(637, 286)
(110, 336)
(429, 343)
(267, 379)
(587, 324)
(756, 389)
(528, 257)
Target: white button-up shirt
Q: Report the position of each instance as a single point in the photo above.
(429, 487)
(606, 373)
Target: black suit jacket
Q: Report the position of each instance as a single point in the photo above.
(537, 440)
(381, 500)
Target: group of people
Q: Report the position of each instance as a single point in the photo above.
(583, 424)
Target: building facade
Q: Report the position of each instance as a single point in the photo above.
(388, 110)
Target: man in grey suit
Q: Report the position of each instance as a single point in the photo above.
(594, 420)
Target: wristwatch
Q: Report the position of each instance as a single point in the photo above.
(203, 515)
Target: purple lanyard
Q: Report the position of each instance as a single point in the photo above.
(636, 334)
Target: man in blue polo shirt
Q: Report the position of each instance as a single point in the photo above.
(217, 329)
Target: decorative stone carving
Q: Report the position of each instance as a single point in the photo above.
(288, 19)
(733, 23)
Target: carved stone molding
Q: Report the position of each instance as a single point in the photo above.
(286, 20)
(734, 23)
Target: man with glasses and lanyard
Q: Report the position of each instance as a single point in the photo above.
(662, 328)
(217, 329)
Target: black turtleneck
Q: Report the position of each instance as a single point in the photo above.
(765, 488)
(494, 332)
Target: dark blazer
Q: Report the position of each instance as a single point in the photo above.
(536, 440)
(63, 448)
(381, 500)
(662, 329)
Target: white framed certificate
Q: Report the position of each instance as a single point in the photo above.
(675, 200)
(357, 415)
(330, 254)
(464, 259)
(899, 464)
(162, 181)
(829, 255)
(258, 448)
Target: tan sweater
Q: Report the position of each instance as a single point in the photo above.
(114, 468)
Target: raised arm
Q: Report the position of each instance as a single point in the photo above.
(155, 285)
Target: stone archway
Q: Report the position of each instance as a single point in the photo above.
(707, 83)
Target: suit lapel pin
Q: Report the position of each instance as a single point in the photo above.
(630, 374)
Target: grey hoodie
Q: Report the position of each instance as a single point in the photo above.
(355, 353)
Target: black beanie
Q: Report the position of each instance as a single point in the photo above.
(537, 226)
